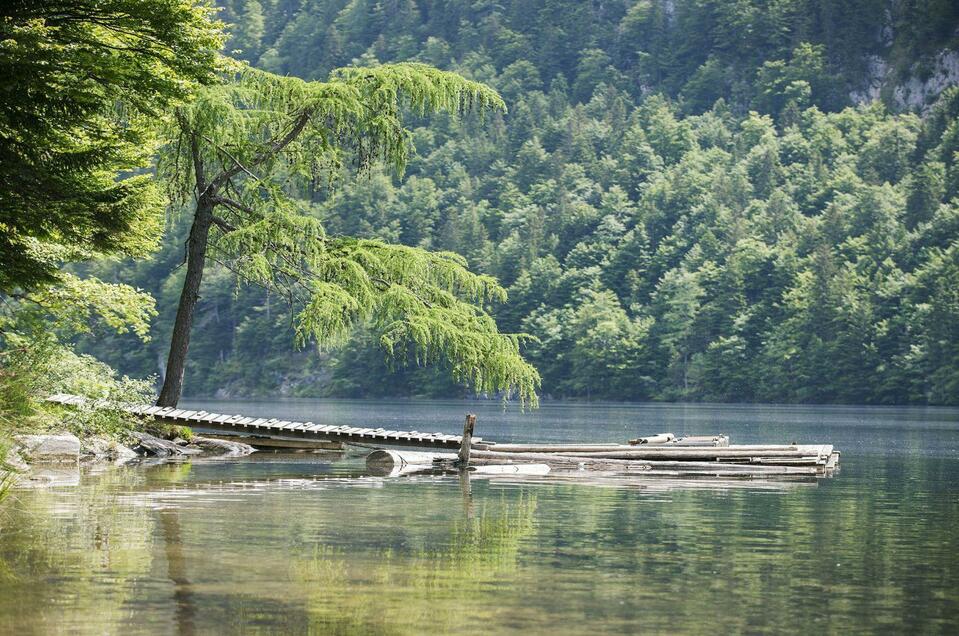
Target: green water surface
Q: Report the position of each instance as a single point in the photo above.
(313, 543)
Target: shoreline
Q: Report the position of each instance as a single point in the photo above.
(46, 460)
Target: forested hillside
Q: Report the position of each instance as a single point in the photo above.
(688, 199)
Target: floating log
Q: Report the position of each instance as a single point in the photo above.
(556, 448)
(669, 452)
(559, 448)
(588, 462)
(719, 454)
(395, 463)
(659, 438)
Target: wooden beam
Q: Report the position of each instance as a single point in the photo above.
(466, 440)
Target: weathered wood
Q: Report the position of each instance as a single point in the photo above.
(702, 440)
(694, 454)
(466, 439)
(592, 462)
(659, 438)
(671, 457)
(553, 448)
(742, 453)
(259, 441)
(558, 448)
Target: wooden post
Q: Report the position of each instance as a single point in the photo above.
(464, 455)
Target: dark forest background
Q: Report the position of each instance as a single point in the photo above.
(750, 200)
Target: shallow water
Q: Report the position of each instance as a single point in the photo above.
(312, 543)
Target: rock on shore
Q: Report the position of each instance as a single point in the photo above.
(63, 448)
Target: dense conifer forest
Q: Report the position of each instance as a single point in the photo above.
(745, 200)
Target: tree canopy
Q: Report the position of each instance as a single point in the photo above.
(241, 147)
(84, 85)
(683, 203)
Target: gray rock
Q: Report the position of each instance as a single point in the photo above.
(104, 449)
(222, 446)
(14, 461)
(154, 446)
(63, 448)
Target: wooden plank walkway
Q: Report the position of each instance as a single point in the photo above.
(662, 454)
(283, 429)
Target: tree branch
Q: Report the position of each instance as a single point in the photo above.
(222, 224)
(273, 148)
(236, 205)
(232, 157)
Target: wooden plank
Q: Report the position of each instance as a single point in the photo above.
(467, 438)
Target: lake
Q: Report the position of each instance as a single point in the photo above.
(313, 543)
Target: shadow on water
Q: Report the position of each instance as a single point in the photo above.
(184, 602)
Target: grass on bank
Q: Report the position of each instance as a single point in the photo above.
(42, 367)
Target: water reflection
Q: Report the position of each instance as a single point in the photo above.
(184, 604)
(315, 544)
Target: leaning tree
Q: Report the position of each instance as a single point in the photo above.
(238, 153)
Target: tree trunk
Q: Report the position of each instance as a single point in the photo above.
(180, 342)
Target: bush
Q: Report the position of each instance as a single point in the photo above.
(43, 367)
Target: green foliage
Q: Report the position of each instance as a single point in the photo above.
(42, 367)
(244, 145)
(85, 83)
(659, 239)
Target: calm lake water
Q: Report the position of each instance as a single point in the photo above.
(312, 543)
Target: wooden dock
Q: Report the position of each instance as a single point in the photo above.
(663, 454)
(278, 430)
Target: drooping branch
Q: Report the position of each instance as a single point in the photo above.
(428, 305)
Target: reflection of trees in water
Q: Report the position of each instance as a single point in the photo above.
(874, 552)
(386, 591)
(58, 543)
(184, 602)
